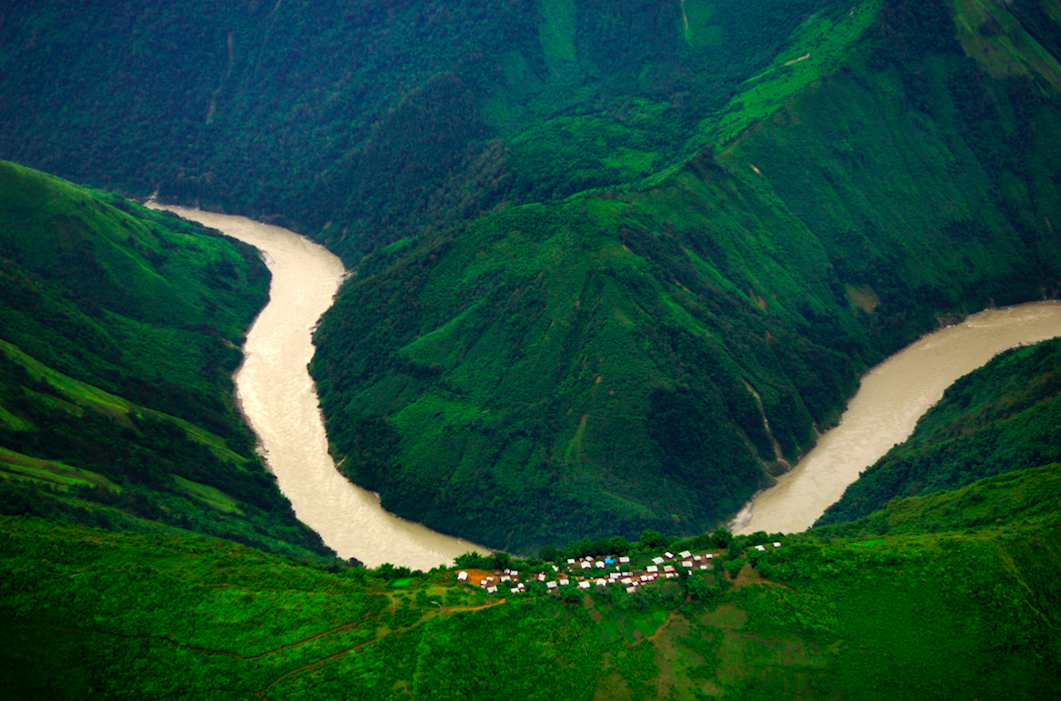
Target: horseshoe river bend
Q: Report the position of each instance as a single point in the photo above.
(278, 397)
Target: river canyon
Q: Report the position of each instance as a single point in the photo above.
(280, 402)
(278, 397)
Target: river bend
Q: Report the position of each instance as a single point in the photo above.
(279, 399)
(893, 396)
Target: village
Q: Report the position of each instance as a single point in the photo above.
(587, 572)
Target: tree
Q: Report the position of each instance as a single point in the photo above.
(500, 560)
(653, 540)
(722, 538)
(699, 588)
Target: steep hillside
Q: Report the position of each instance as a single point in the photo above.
(824, 616)
(119, 330)
(617, 262)
(644, 356)
(1002, 417)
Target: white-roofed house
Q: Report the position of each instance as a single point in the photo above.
(685, 554)
(462, 576)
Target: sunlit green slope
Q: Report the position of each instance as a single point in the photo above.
(119, 329)
(853, 615)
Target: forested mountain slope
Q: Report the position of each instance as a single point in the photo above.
(119, 330)
(633, 357)
(616, 261)
(1002, 417)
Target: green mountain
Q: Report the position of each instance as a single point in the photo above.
(119, 331)
(617, 263)
(645, 356)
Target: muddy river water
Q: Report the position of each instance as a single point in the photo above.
(893, 396)
(279, 399)
(280, 402)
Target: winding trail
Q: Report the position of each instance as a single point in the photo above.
(427, 617)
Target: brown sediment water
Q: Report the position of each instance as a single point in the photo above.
(278, 397)
(893, 396)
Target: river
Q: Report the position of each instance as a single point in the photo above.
(278, 397)
(280, 401)
(893, 396)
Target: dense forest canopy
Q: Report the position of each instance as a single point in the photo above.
(617, 263)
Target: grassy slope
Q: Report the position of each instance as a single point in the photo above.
(999, 418)
(610, 359)
(838, 615)
(120, 332)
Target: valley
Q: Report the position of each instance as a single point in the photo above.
(598, 273)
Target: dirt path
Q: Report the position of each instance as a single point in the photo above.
(353, 648)
(670, 617)
(208, 651)
(344, 627)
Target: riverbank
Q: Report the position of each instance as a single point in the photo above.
(893, 396)
(280, 401)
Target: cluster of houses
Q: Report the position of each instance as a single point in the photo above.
(601, 572)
